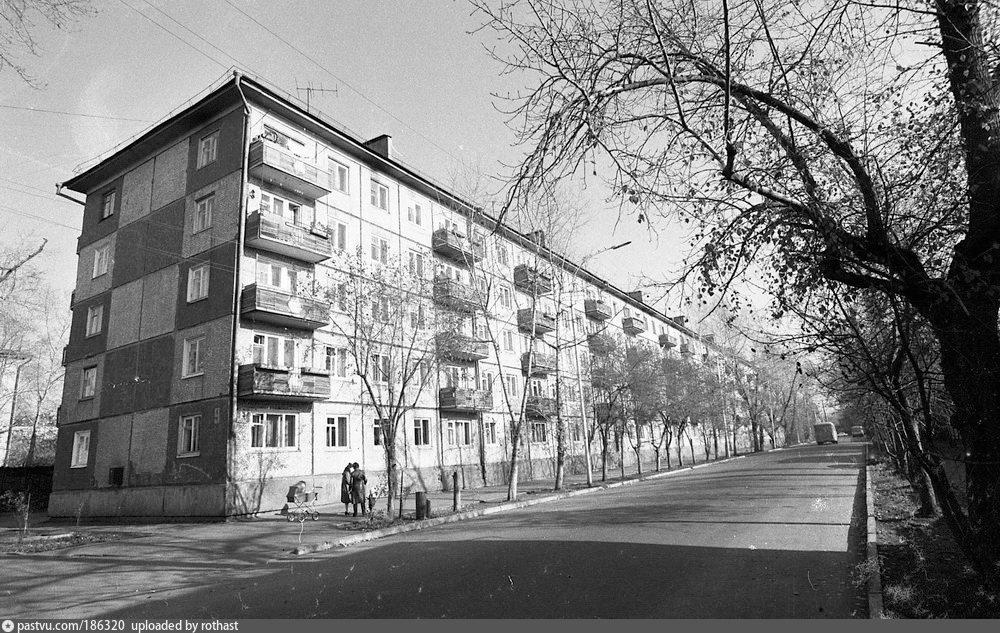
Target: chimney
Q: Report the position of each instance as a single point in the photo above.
(679, 320)
(709, 337)
(538, 237)
(637, 295)
(381, 145)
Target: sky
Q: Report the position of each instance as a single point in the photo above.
(417, 70)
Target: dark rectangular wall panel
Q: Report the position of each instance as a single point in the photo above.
(220, 287)
(94, 228)
(80, 345)
(209, 466)
(164, 236)
(229, 154)
(130, 253)
(119, 381)
(155, 370)
(64, 477)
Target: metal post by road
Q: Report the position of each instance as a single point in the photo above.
(456, 493)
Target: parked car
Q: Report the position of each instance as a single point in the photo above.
(825, 432)
(857, 431)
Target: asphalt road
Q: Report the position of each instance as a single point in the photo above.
(769, 536)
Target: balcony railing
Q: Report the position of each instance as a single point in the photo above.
(284, 309)
(667, 342)
(465, 400)
(452, 294)
(531, 281)
(600, 344)
(276, 165)
(539, 407)
(457, 247)
(543, 323)
(274, 233)
(256, 382)
(461, 347)
(596, 309)
(633, 325)
(541, 364)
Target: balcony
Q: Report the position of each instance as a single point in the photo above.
(450, 293)
(256, 382)
(597, 310)
(458, 247)
(542, 323)
(284, 309)
(686, 350)
(461, 347)
(530, 280)
(541, 364)
(600, 344)
(274, 164)
(270, 232)
(633, 325)
(539, 407)
(464, 400)
(667, 342)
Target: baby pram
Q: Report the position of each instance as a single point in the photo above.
(304, 503)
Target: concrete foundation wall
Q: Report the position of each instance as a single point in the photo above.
(152, 501)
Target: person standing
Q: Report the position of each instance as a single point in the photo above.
(345, 488)
(359, 489)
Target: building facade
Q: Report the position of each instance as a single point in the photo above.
(210, 363)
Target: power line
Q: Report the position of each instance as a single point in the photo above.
(79, 114)
(174, 34)
(75, 229)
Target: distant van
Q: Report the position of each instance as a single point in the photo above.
(857, 431)
(825, 432)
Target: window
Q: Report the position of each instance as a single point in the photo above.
(108, 204)
(81, 449)
(380, 249)
(88, 383)
(208, 148)
(194, 360)
(273, 351)
(377, 431)
(538, 432)
(380, 368)
(187, 436)
(421, 432)
(285, 209)
(490, 428)
(341, 299)
(415, 214)
(380, 309)
(95, 320)
(197, 283)
(380, 195)
(336, 361)
(274, 274)
(273, 430)
(336, 432)
(508, 340)
(502, 254)
(415, 263)
(512, 386)
(102, 257)
(459, 432)
(203, 213)
(339, 234)
(577, 435)
(505, 297)
(341, 176)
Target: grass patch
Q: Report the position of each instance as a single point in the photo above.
(34, 545)
(924, 574)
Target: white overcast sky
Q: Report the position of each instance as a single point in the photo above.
(411, 69)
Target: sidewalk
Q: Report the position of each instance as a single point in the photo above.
(256, 540)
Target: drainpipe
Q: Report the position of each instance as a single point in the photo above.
(237, 294)
(59, 192)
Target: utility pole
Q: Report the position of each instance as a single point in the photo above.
(17, 356)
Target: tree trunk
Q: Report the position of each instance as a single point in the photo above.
(715, 441)
(691, 445)
(604, 455)
(512, 482)
(680, 457)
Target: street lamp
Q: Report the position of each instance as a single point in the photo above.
(576, 355)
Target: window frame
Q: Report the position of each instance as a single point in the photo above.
(202, 285)
(376, 198)
(262, 421)
(85, 380)
(338, 424)
(193, 346)
(422, 432)
(108, 199)
(336, 169)
(102, 261)
(80, 439)
(204, 207)
(95, 320)
(188, 440)
(414, 213)
(208, 142)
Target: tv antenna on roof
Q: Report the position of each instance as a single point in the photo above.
(309, 89)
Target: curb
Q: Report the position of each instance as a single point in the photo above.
(503, 507)
(871, 549)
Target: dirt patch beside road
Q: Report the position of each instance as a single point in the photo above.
(924, 575)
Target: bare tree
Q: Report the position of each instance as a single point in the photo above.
(19, 28)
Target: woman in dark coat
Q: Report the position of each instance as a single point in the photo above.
(359, 489)
(345, 488)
